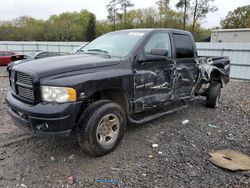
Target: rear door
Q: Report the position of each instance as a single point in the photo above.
(186, 68)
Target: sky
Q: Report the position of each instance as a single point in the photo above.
(42, 9)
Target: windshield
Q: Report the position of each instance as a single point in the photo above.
(114, 44)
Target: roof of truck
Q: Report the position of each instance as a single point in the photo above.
(148, 30)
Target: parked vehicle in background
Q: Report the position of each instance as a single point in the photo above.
(231, 35)
(33, 56)
(6, 57)
(130, 75)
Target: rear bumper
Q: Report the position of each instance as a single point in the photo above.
(43, 118)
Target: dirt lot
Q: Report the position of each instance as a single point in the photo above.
(180, 160)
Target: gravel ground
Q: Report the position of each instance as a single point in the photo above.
(180, 160)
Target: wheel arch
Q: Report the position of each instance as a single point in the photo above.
(217, 76)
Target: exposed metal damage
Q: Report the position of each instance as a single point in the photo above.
(175, 81)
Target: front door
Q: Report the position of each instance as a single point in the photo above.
(153, 80)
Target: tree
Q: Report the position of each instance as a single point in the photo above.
(82, 26)
(103, 27)
(112, 12)
(200, 9)
(163, 6)
(68, 26)
(185, 5)
(238, 18)
(248, 22)
(28, 28)
(125, 4)
(84, 21)
(90, 33)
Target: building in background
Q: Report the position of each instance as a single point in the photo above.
(231, 35)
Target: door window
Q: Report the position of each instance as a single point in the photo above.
(8, 53)
(184, 46)
(159, 41)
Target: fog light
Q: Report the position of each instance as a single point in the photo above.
(42, 126)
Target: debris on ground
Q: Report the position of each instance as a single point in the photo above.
(213, 126)
(184, 122)
(22, 185)
(245, 107)
(52, 158)
(112, 181)
(70, 180)
(231, 160)
(230, 137)
(72, 157)
(155, 145)
(150, 156)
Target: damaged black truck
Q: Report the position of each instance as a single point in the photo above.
(124, 76)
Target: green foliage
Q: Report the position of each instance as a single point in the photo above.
(113, 12)
(22, 28)
(82, 26)
(90, 33)
(239, 18)
(162, 4)
(200, 9)
(117, 11)
(199, 33)
(125, 4)
(68, 26)
(185, 5)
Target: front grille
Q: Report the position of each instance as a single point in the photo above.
(22, 85)
(24, 78)
(26, 93)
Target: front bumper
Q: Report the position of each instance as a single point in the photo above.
(44, 118)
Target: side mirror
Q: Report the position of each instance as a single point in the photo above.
(157, 54)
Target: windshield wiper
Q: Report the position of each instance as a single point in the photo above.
(99, 50)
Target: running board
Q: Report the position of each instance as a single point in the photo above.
(155, 116)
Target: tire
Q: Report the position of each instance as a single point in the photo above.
(213, 95)
(101, 127)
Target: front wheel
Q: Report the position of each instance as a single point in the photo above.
(213, 95)
(102, 126)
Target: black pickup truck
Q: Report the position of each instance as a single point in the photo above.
(124, 76)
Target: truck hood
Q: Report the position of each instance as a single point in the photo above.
(68, 63)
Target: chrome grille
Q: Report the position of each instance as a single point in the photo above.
(25, 93)
(24, 78)
(22, 85)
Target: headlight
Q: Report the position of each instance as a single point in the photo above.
(58, 94)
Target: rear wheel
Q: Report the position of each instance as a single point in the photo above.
(213, 95)
(102, 126)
